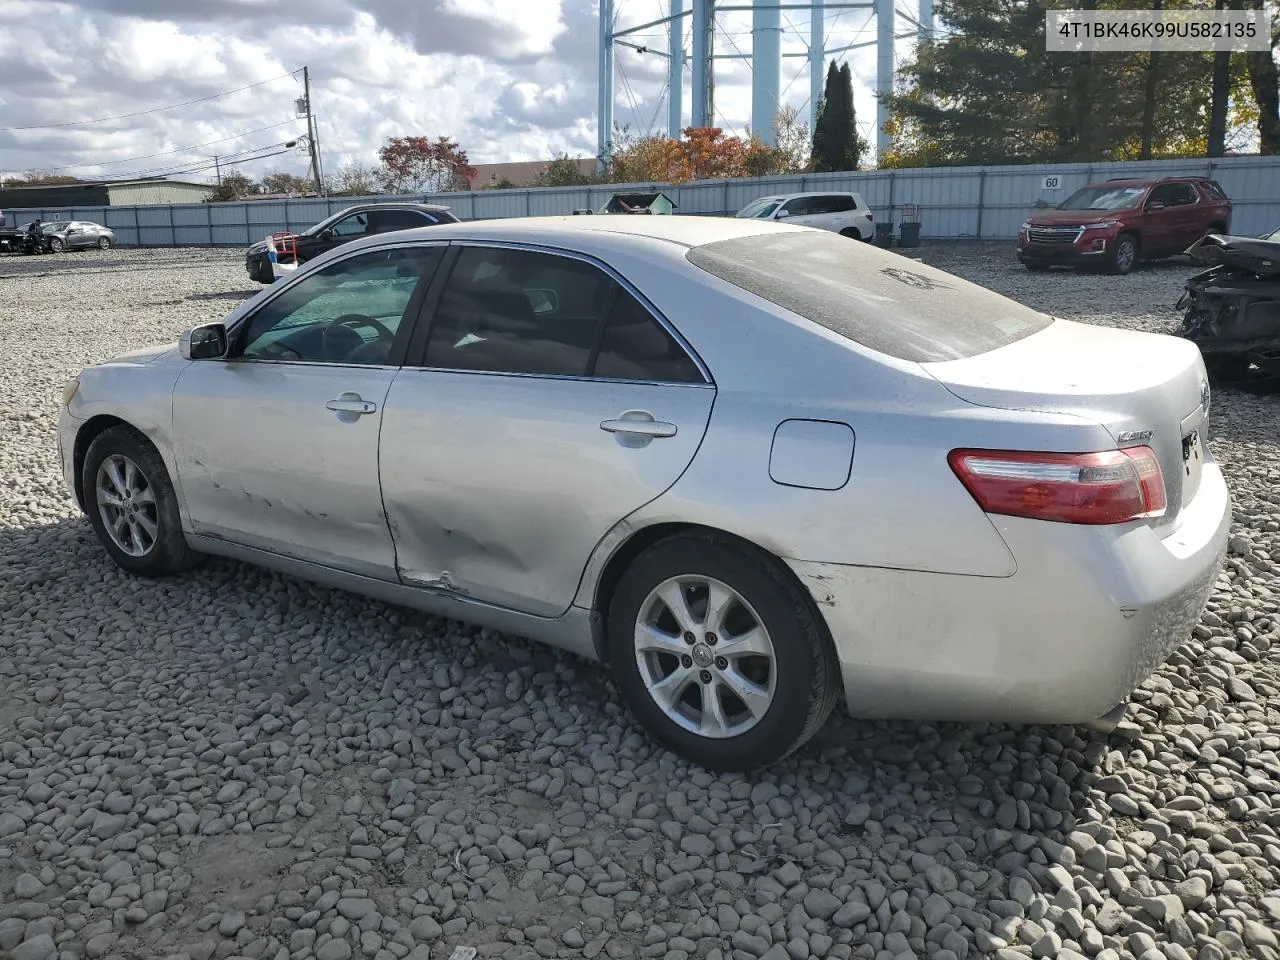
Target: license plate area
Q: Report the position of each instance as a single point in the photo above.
(1192, 463)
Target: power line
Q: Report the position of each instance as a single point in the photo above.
(166, 153)
(139, 113)
(199, 165)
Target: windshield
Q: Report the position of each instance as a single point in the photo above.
(894, 306)
(1273, 236)
(1103, 198)
(759, 208)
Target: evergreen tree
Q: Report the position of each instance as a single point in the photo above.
(836, 145)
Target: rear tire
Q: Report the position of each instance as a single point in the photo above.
(104, 243)
(754, 631)
(145, 536)
(1124, 254)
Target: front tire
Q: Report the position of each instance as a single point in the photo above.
(1124, 254)
(56, 245)
(719, 654)
(132, 506)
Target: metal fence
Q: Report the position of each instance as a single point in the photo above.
(954, 202)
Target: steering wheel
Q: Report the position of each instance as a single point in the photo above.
(360, 320)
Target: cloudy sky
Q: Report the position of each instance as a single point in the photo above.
(508, 79)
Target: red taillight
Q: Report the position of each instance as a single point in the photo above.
(1114, 486)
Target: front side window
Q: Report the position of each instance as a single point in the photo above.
(353, 226)
(519, 311)
(349, 312)
(800, 206)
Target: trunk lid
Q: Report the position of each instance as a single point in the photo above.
(1128, 382)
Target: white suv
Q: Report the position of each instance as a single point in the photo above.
(843, 213)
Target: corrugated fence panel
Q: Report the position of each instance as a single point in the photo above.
(957, 202)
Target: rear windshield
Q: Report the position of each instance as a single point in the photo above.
(878, 299)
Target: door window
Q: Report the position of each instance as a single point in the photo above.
(349, 312)
(636, 347)
(800, 206)
(517, 311)
(1183, 194)
(385, 221)
(353, 226)
(1168, 194)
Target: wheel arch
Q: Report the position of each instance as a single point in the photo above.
(89, 431)
(640, 540)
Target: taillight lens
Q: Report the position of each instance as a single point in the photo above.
(1114, 486)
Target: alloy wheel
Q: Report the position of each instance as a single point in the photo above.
(127, 506)
(705, 657)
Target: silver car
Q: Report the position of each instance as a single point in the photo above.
(750, 466)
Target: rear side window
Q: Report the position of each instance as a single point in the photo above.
(879, 300)
(1213, 190)
(836, 203)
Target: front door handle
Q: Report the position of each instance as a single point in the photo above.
(351, 403)
(638, 423)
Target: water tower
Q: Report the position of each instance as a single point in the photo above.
(892, 18)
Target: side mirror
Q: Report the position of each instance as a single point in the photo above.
(326, 233)
(208, 342)
(782, 214)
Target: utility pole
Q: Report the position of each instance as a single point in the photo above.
(217, 170)
(311, 133)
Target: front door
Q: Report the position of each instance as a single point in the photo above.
(547, 405)
(277, 446)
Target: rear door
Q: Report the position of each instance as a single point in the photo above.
(544, 403)
(1160, 225)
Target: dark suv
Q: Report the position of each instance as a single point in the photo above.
(1117, 223)
(343, 227)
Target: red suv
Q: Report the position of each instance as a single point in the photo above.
(1119, 222)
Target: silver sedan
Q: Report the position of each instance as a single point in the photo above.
(752, 467)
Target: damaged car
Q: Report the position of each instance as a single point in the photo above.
(1232, 308)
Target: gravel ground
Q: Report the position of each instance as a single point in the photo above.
(237, 764)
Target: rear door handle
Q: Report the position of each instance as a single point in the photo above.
(638, 423)
(351, 403)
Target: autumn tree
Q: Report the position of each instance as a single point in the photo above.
(353, 180)
(234, 186)
(419, 164)
(42, 178)
(792, 139)
(290, 183)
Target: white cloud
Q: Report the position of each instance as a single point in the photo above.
(508, 80)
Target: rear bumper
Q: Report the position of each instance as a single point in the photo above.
(1087, 616)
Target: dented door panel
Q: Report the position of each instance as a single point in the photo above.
(265, 462)
(498, 487)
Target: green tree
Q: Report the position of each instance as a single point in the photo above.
(836, 144)
(989, 92)
(563, 171)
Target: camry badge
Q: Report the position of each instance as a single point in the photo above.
(1135, 436)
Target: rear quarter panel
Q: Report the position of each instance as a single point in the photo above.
(902, 507)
